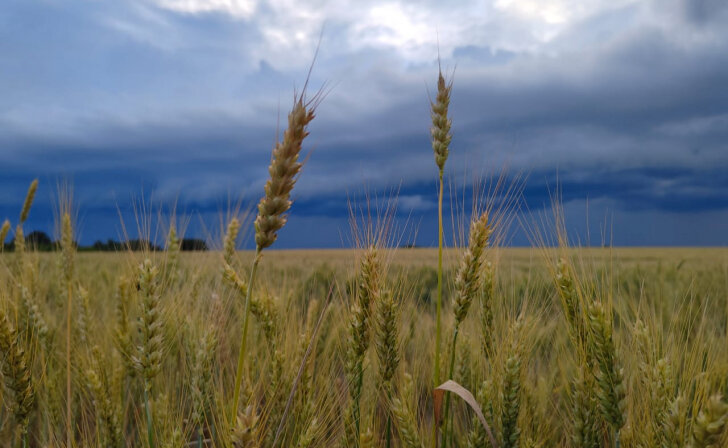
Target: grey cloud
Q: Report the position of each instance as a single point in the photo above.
(627, 104)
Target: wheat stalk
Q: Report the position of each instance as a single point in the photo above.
(283, 170)
(67, 257)
(440, 144)
(467, 283)
(368, 292)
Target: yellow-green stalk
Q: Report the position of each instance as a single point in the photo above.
(367, 296)
(283, 170)
(67, 254)
(487, 297)
(467, 284)
(440, 144)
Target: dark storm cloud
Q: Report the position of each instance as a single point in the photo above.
(626, 104)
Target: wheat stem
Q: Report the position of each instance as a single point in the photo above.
(438, 325)
(441, 137)
(241, 354)
(148, 412)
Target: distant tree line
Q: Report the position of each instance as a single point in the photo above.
(41, 242)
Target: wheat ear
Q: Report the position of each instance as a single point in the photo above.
(673, 428)
(231, 238)
(283, 170)
(404, 416)
(173, 249)
(386, 342)
(16, 373)
(148, 360)
(440, 144)
(4, 230)
(511, 391)
(477, 438)
(367, 294)
(28, 201)
(609, 374)
(202, 356)
(585, 430)
(710, 424)
(245, 431)
(98, 384)
(467, 284)
(122, 331)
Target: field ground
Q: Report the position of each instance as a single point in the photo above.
(536, 341)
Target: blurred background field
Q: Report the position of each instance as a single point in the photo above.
(670, 306)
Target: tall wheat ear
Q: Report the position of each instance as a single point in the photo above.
(272, 208)
(441, 138)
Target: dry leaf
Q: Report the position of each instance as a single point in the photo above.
(452, 386)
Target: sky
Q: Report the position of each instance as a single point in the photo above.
(618, 107)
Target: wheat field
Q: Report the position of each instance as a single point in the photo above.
(470, 346)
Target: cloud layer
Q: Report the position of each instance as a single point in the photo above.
(622, 103)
